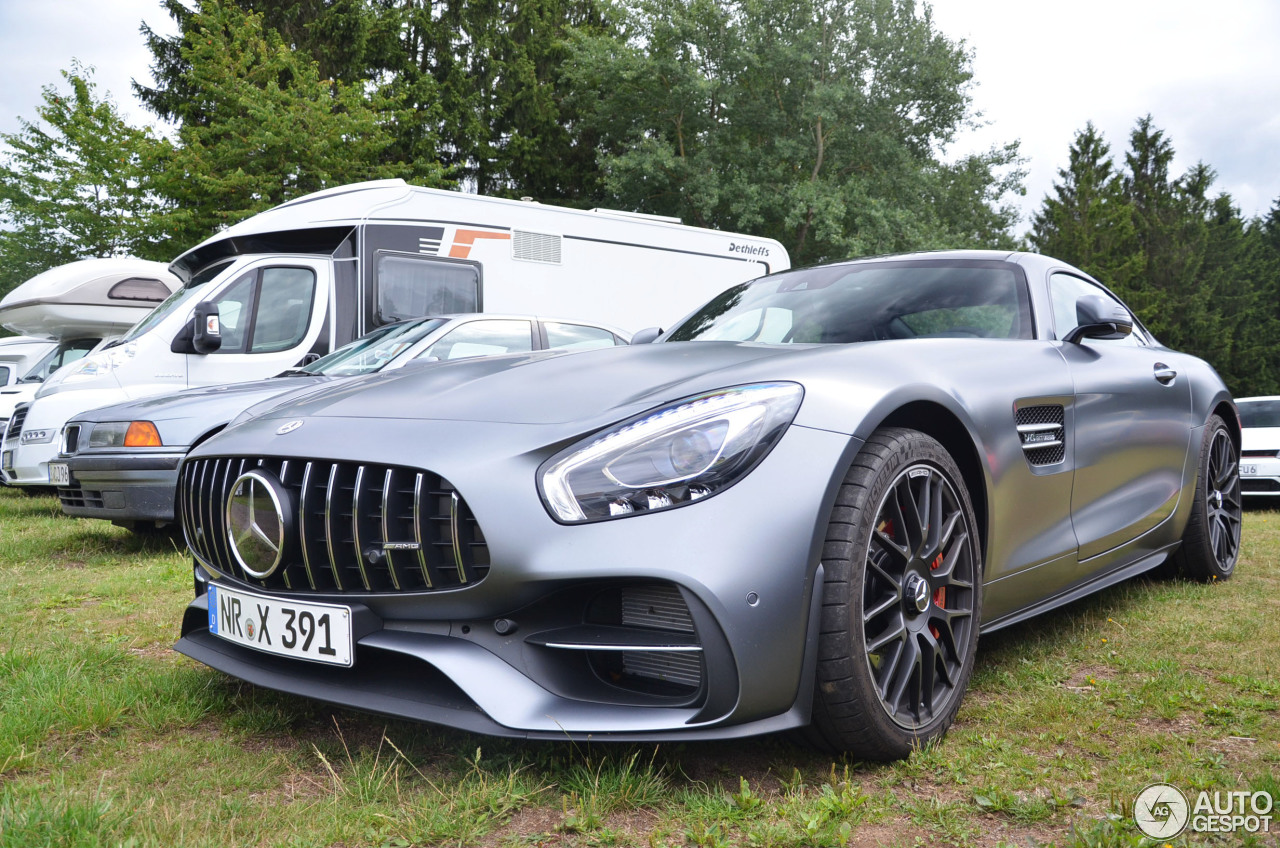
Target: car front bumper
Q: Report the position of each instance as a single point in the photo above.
(122, 488)
(1260, 476)
(745, 562)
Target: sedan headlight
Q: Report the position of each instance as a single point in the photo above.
(37, 437)
(125, 434)
(670, 456)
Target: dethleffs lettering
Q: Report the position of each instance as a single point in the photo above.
(748, 249)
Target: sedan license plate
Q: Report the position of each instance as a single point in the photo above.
(59, 474)
(316, 632)
(1248, 471)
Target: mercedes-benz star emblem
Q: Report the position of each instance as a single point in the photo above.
(288, 428)
(257, 522)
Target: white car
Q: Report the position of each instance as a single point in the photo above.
(1260, 449)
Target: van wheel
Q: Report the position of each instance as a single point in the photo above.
(902, 599)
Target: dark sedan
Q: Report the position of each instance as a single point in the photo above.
(120, 462)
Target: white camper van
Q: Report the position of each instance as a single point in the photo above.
(66, 312)
(292, 283)
(18, 354)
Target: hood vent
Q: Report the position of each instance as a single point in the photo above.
(1041, 432)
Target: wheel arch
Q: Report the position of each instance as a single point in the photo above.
(1226, 410)
(942, 424)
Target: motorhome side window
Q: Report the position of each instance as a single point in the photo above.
(408, 287)
(266, 310)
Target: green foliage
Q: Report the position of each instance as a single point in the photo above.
(1200, 277)
(74, 185)
(269, 129)
(813, 122)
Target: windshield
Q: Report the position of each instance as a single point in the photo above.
(65, 353)
(863, 302)
(1260, 413)
(170, 305)
(370, 353)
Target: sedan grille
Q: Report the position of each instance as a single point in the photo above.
(355, 528)
(15, 423)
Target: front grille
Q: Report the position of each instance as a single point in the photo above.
(74, 496)
(1247, 485)
(1260, 453)
(15, 423)
(1041, 432)
(71, 439)
(357, 528)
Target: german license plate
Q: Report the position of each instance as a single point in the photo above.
(1248, 470)
(59, 474)
(316, 632)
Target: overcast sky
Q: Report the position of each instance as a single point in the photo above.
(1207, 72)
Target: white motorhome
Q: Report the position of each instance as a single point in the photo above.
(66, 312)
(18, 354)
(298, 280)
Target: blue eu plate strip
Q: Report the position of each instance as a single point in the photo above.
(213, 609)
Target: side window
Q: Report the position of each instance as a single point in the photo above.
(577, 336)
(483, 338)
(235, 305)
(5, 373)
(284, 307)
(412, 288)
(266, 311)
(1064, 290)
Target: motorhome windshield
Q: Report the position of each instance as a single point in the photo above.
(370, 353)
(65, 353)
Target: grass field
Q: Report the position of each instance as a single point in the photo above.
(107, 737)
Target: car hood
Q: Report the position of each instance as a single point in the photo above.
(549, 387)
(214, 403)
(1260, 438)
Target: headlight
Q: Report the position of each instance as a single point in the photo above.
(125, 434)
(37, 437)
(670, 456)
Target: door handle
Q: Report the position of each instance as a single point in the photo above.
(1164, 374)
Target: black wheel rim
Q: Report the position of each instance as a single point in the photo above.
(1224, 505)
(917, 596)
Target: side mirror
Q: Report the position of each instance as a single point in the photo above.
(1098, 317)
(207, 332)
(646, 336)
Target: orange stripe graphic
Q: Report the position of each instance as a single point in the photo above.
(464, 239)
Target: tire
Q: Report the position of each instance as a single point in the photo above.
(902, 600)
(1211, 540)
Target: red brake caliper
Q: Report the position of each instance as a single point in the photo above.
(939, 594)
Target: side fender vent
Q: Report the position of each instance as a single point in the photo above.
(535, 247)
(1041, 432)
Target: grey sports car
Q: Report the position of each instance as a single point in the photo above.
(798, 509)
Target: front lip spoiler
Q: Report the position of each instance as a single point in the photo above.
(411, 676)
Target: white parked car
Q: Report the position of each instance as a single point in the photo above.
(1260, 449)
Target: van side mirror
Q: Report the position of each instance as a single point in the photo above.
(646, 336)
(207, 335)
(1099, 318)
